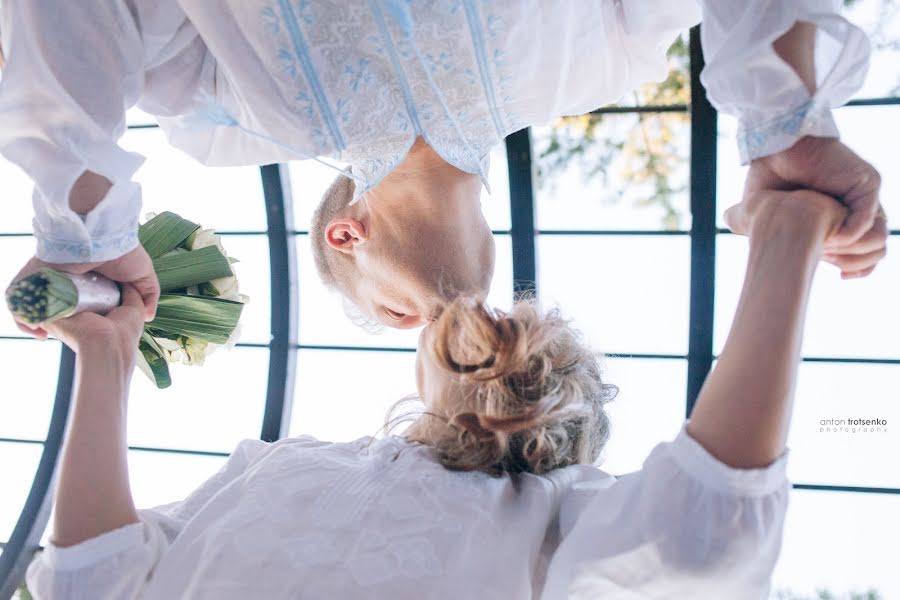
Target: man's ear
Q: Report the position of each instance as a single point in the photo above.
(344, 234)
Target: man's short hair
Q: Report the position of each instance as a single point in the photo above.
(332, 266)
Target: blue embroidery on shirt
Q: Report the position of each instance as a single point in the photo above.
(302, 52)
(752, 142)
(478, 42)
(395, 60)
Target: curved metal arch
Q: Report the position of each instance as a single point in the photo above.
(284, 298)
(26, 536)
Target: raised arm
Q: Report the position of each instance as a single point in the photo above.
(93, 495)
(744, 408)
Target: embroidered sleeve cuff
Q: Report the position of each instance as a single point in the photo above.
(762, 139)
(699, 463)
(94, 550)
(96, 250)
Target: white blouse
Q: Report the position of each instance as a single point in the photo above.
(238, 82)
(373, 519)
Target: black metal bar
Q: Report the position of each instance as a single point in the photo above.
(521, 206)
(884, 101)
(11, 440)
(251, 345)
(144, 126)
(15, 234)
(728, 231)
(242, 233)
(175, 451)
(649, 108)
(858, 361)
(703, 228)
(846, 488)
(282, 264)
(306, 232)
(353, 348)
(34, 516)
(604, 232)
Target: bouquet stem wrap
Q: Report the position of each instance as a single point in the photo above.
(49, 295)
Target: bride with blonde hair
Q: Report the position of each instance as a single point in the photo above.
(491, 492)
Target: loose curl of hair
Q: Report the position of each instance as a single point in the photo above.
(538, 393)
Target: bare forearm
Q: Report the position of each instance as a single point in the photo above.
(87, 192)
(797, 48)
(743, 411)
(94, 495)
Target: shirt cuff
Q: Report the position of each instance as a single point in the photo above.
(778, 134)
(94, 550)
(98, 250)
(703, 466)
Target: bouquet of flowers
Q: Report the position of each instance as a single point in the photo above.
(199, 308)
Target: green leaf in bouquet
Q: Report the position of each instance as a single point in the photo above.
(43, 296)
(210, 320)
(152, 361)
(165, 232)
(178, 270)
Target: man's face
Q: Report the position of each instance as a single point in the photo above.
(404, 279)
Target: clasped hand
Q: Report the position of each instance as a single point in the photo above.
(825, 165)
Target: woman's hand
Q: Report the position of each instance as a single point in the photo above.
(134, 268)
(115, 334)
(828, 166)
(803, 212)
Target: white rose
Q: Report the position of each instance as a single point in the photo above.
(227, 288)
(194, 352)
(207, 237)
(172, 350)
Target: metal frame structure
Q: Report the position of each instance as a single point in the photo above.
(284, 346)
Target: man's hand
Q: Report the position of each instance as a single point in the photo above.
(828, 166)
(134, 268)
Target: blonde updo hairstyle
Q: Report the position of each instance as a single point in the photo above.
(538, 401)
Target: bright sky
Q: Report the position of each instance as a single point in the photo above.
(626, 294)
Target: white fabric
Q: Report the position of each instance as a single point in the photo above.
(745, 77)
(301, 518)
(241, 82)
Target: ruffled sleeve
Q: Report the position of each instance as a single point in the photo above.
(117, 564)
(685, 526)
(744, 76)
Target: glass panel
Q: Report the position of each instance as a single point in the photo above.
(844, 454)
(856, 124)
(208, 408)
(370, 382)
(869, 328)
(15, 252)
(841, 542)
(730, 175)
(254, 275)
(27, 398)
(872, 131)
(648, 410)
(880, 19)
(621, 171)
(17, 207)
(634, 298)
(676, 88)
(310, 180)
(159, 478)
(224, 199)
(496, 204)
(136, 116)
(501, 294)
(19, 462)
